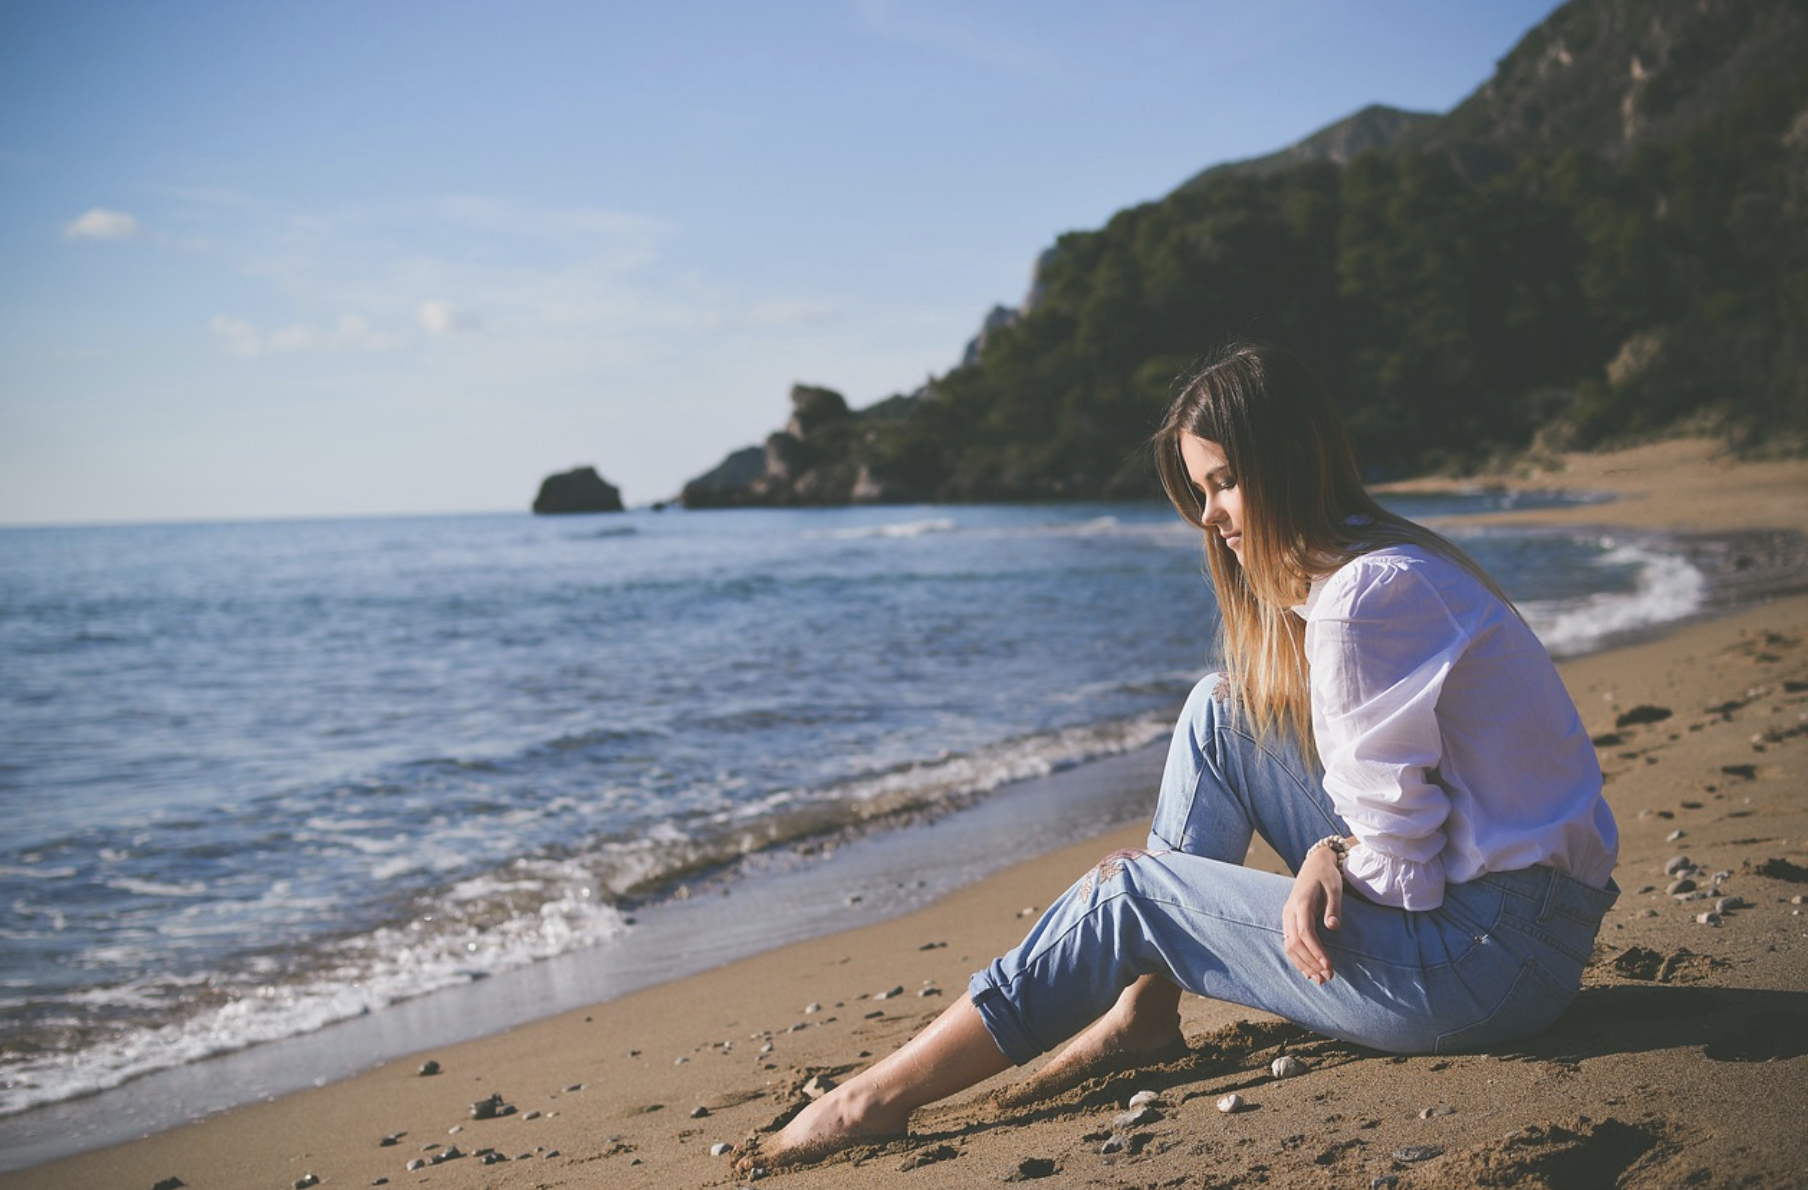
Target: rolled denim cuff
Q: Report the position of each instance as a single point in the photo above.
(1001, 1019)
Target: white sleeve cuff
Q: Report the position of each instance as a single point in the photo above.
(1389, 880)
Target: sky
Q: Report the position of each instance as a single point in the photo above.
(372, 257)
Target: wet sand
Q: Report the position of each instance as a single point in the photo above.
(1684, 1062)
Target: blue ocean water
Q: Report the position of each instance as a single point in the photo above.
(260, 777)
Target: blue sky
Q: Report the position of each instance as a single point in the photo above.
(263, 259)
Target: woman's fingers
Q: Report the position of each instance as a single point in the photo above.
(1299, 927)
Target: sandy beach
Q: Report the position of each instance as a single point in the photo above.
(1684, 1062)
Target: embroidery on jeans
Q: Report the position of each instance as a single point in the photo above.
(1112, 865)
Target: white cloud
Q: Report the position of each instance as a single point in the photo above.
(240, 337)
(99, 223)
(443, 319)
(349, 335)
(777, 314)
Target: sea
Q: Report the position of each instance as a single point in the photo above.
(258, 778)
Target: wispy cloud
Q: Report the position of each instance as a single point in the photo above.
(781, 314)
(98, 223)
(443, 319)
(349, 334)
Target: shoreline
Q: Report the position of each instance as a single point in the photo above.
(687, 1019)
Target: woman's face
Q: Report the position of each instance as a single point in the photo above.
(1220, 494)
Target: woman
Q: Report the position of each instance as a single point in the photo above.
(1390, 726)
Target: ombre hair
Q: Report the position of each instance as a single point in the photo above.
(1305, 513)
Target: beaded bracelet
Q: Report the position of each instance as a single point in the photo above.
(1336, 846)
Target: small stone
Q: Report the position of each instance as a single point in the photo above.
(306, 1180)
(1286, 1066)
(1413, 1153)
(699, 1112)
(1142, 1099)
(1728, 904)
(577, 1086)
(1135, 1118)
(928, 990)
(720, 1149)
(812, 1008)
(532, 1115)
(1709, 918)
(490, 1157)
(1678, 887)
(1386, 1181)
(681, 1061)
(1674, 835)
(417, 1163)
(429, 1068)
(892, 994)
(1680, 863)
(1230, 1104)
(170, 1183)
(1432, 1113)
(1117, 1142)
(393, 1139)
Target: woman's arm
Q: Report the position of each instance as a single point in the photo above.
(1317, 896)
(1380, 643)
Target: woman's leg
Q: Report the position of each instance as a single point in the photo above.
(1220, 787)
(955, 1052)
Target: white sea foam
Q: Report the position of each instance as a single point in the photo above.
(555, 910)
(152, 888)
(1668, 588)
(898, 529)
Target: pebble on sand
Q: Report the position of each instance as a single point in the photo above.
(429, 1068)
(1230, 1104)
(1286, 1066)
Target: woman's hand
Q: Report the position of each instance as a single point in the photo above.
(1317, 895)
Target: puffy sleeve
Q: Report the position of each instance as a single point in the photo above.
(1380, 642)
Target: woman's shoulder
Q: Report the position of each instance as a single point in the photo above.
(1391, 574)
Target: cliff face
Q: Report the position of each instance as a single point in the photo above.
(1610, 76)
(818, 458)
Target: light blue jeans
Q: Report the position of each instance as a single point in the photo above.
(1501, 958)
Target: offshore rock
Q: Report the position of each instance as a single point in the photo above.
(578, 490)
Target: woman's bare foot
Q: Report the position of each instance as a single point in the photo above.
(842, 1118)
(1142, 1028)
(952, 1054)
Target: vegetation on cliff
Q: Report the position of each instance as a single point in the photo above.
(1608, 240)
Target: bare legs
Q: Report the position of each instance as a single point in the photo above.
(1143, 1026)
(956, 1052)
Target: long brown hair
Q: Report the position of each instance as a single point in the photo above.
(1305, 513)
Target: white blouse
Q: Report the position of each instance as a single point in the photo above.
(1449, 743)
